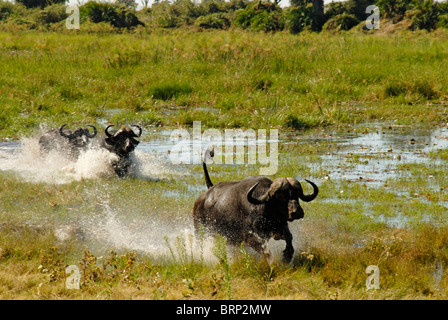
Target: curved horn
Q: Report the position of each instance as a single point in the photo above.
(310, 197)
(260, 200)
(107, 132)
(90, 136)
(139, 130)
(61, 132)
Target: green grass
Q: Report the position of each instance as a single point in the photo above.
(253, 79)
(225, 79)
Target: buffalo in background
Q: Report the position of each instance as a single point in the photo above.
(66, 141)
(252, 210)
(122, 143)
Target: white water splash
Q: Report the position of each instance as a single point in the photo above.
(151, 235)
(25, 160)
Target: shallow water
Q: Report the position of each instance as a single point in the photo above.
(369, 154)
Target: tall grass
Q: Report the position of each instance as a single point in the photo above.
(254, 79)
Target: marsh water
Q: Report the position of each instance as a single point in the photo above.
(371, 154)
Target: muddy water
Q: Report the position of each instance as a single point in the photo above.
(371, 154)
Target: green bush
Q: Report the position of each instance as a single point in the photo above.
(39, 3)
(213, 21)
(6, 9)
(424, 15)
(52, 14)
(393, 9)
(118, 16)
(333, 9)
(166, 15)
(298, 18)
(342, 21)
(260, 16)
(443, 21)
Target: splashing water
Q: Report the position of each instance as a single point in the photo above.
(25, 160)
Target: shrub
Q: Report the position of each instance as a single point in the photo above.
(118, 16)
(298, 18)
(424, 15)
(394, 9)
(39, 3)
(6, 9)
(213, 21)
(305, 14)
(260, 16)
(342, 21)
(166, 15)
(333, 9)
(52, 14)
(443, 21)
(357, 8)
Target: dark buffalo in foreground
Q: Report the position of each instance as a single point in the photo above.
(252, 210)
(67, 141)
(121, 143)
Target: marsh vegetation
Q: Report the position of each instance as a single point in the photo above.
(362, 115)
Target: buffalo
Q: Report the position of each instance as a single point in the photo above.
(252, 210)
(122, 143)
(67, 141)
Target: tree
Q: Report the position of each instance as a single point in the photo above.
(131, 4)
(305, 14)
(260, 16)
(39, 3)
(118, 16)
(424, 15)
(393, 9)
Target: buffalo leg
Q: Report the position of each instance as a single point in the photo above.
(258, 244)
(289, 250)
(285, 234)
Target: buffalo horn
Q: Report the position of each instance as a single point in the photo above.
(107, 132)
(306, 198)
(61, 131)
(139, 130)
(90, 136)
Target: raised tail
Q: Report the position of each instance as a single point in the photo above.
(208, 154)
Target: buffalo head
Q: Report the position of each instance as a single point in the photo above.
(66, 141)
(78, 138)
(283, 195)
(122, 142)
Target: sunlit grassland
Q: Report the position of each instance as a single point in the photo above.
(248, 79)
